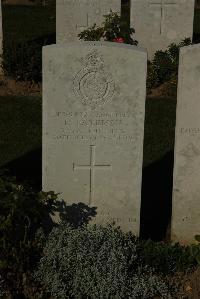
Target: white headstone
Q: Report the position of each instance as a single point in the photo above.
(186, 192)
(74, 16)
(158, 23)
(93, 123)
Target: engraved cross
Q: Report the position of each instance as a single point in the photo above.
(92, 167)
(83, 27)
(162, 5)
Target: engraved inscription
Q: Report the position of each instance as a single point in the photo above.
(92, 84)
(162, 5)
(98, 126)
(92, 167)
(113, 219)
(189, 155)
(189, 131)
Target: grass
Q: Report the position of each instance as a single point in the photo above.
(20, 127)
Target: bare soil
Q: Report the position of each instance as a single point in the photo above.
(191, 285)
(165, 90)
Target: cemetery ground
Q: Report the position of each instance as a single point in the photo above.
(22, 141)
(21, 155)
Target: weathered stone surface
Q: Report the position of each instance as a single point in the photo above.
(93, 123)
(158, 23)
(186, 192)
(74, 16)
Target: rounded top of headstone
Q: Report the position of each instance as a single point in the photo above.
(97, 44)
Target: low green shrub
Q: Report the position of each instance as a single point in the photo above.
(97, 262)
(164, 66)
(75, 260)
(22, 214)
(22, 60)
(195, 249)
(112, 29)
(167, 258)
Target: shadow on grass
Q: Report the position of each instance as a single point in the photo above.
(27, 169)
(156, 202)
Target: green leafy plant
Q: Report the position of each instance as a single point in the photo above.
(22, 213)
(167, 258)
(22, 60)
(197, 238)
(79, 261)
(164, 66)
(113, 29)
(97, 262)
(195, 249)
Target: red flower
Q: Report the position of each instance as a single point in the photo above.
(118, 40)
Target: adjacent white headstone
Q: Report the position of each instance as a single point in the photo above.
(74, 16)
(93, 123)
(186, 193)
(158, 23)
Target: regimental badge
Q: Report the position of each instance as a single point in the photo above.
(92, 84)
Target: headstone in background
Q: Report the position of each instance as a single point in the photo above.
(158, 23)
(186, 192)
(93, 126)
(74, 16)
